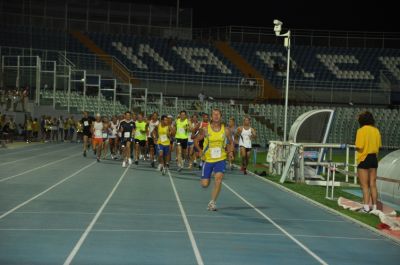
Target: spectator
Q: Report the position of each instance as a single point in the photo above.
(201, 96)
(368, 143)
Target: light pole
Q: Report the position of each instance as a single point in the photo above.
(277, 28)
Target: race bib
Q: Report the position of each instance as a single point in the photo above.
(163, 138)
(127, 134)
(105, 135)
(97, 134)
(86, 123)
(181, 131)
(138, 133)
(215, 152)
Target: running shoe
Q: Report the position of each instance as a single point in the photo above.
(152, 164)
(84, 153)
(164, 171)
(130, 161)
(212, 206)
(160, 167)
(124, 163)
(363, 210)
(136, 162)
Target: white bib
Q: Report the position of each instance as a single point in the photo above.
(86, 123)
(97, 134)
(181, 131)
(127, 134)
(215, 152)
(105, 135)
(163, 138)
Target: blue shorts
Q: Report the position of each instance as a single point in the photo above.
(209, 168)
(190, 143)
(164, 149)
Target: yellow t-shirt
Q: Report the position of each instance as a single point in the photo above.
(214, 145)
(368, 140)
(163, 137)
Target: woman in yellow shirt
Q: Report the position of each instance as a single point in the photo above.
(368, 142)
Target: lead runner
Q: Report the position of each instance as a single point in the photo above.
(217, 145)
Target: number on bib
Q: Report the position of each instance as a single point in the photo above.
(105, 135)
(215, 152)
(97, 134)
(163, 138)
(86, 123)
(127, 134)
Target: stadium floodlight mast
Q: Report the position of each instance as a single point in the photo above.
(277, 28)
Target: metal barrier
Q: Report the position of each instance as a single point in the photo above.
(288, 159)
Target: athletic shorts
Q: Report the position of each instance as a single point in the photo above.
(247, 149)
(87, 133)
(190, 143)
(209, 168)
(96, 141)
(164, 149)
(371, 161)
(125, 140)
(182, 142)
(150, 142)
(140, 142)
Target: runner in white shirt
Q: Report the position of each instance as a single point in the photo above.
(245, 134)
(106, 127)
(112, 136)
(194, 126)
(97, 132)
(152, 124)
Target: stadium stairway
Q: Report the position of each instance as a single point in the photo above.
(119, 70)
(269, 92)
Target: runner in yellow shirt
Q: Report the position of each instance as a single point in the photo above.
(217, 146)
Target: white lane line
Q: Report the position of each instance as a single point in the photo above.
(306, 249)
(36, 168)
(175, 215)
(31, 157)
(93, 222)
(45, 191)
(229, 233)
(326, 208)
(197, 254)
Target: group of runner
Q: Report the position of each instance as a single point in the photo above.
(204, 143)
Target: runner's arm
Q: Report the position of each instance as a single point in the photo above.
(197, 139)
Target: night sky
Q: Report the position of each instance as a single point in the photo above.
(327, 15)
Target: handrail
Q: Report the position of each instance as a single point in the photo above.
(66, 60)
